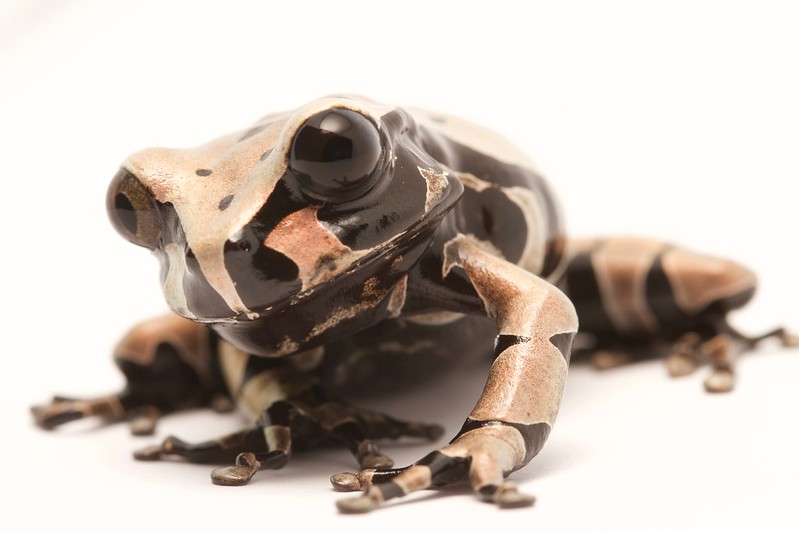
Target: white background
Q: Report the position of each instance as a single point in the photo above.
(675, 119)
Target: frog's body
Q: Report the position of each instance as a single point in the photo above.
(349, 230)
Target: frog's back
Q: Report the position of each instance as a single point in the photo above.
(506, 203)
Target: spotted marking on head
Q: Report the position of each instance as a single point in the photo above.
(225, 202)
(246, 167)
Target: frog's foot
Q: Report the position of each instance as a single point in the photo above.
(480, 456)
(143, 420)
(241, 473)
(61, 410)
(684, 356)
(722, 375)
(690, 350)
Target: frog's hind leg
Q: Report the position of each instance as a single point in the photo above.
(166, 364)
(788, 340)
(718, 347)
(720, 351)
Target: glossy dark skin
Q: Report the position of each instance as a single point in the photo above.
(338, 244)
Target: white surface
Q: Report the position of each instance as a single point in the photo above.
(678, 122)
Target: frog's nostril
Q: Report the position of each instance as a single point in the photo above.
(133, 211)
(125, 213)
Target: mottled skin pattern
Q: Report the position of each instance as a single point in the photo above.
(323, 246)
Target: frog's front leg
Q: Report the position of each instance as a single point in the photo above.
(167, 365)
(292, 411)
(518, 406)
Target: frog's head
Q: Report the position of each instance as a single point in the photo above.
(253, 221)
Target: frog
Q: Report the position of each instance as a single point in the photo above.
(349, 242)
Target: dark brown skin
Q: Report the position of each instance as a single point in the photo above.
(349, 231)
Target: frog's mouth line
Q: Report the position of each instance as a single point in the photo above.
(419, 235)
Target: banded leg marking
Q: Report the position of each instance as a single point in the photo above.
(519, 403)
(62, 410)
(484, 453)
(268, 445)
(142, 417)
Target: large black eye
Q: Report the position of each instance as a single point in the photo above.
(336, 155)
(133, 211)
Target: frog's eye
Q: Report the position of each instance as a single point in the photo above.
(336, 155)
(133, 211)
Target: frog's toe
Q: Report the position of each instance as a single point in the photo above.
(240, 474)
(53, 415)
(358, 428)
(370, 457)
(359, 504)
(684, 356)
(718, 351)
(506, 496)
(431, 432)
(144, 420)
(679, 365)
(149, 453)
(349, 482)
(169, 446)
(720, 380)
(62, 410)
(434, 470)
